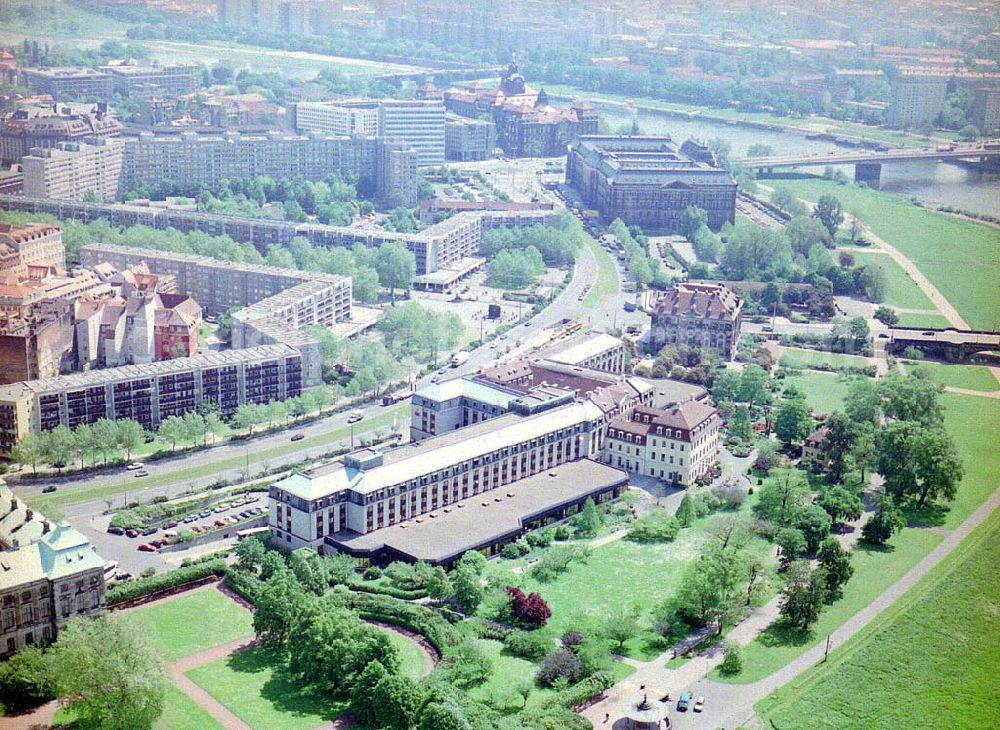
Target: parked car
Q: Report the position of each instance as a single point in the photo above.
(131, 533)
(205, 513)
(142, 473)
(190, 518)
(146, 548)
(170, 525)
(355, 416)
(683, 702)
(49, 489)
(220, 522)
(148, 531)
(699, 704)
(115, 530)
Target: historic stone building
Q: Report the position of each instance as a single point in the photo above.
(706, 316)
(649, 181)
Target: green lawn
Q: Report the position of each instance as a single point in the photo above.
(902, 291)
(623, 574)
(961, 258)
(194, 622)
(607, 276)
(928, 661)
(179, 713)
(825, 392)
(52, 504)
(974, 423)
(929, 321)
(256, 686)
(410, 657)
(874, 571)
(795, 358)
(972, 377)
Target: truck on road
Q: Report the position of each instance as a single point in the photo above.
(459, 358)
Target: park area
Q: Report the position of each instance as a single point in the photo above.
(941, 637)
(958, 256)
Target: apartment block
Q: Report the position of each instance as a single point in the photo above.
(151, 392)
(916, 99)
(68, 83)
(75, 170)
(418, 123)
(677, 445)
(26, 129)
(347, 118)
(46, 583)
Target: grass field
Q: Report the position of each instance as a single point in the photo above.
(52, 504)
(972, 377)
(874, 571)
(607, 276)
(961, 258)
(793, 357)
(825, 392)
(410, 657)
(974, 423)
(928, 661)
(623, 574)
(194, 622)
(256, 686)
(902, 291)
(930, 321)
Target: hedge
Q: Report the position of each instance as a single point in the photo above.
(421, 620)
(137, 588)
(582, 691)
(386, 590)
(242, 584)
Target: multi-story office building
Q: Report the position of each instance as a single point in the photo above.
(347, 118)
(593, 350)
(75, 170)
(704, 316)
(419, 123)
(986, 109)
(27, 129)
(467, 140)
(152, 392)
(133, 81)
(648, 181)
(381, 166)
(678, 445)
(65, 84)
(916, 98)
(35, 243)
(46, 583)
(515, 471)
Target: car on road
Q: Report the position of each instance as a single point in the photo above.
(699, 704)
(142, 473)
(298, 437)
(683, 702)
(435, 379)
(115, 530)
(146, 548)
(49, 489)
(355, 416)
(134, 466)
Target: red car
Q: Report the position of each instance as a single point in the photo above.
(146, 548)
(221, 523)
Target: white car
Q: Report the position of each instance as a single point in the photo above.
(699, 704)
(355, 416)
(135, 465)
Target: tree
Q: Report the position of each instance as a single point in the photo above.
(740, 426)
(443, 716)
(887, 521)
(793, 421)
(396, 267)
(804, 232)
(918, 462)
(840, 435)
(108, 675)
(815, 524)
(912, 398)
(782, 496)
(250, 554)
(837, 563)
(863, 403)
(787, 202)
(863, 452)
(468, 588)
(530, 609)
(29, 450)
(439, 586)
(363, 707)
(558, 664)
(754, 382)
(830, 213)
(58, 444)
(248, 415)
(214, 424)
(792, 543)
(804, 594)
(279, 602)
(969, 133)
(589, 520)
(732, 660)
(620, 626)
(24, 681)
(875, 282)
(712, 586)
(396, 699)
(758, 149)
(685, 510)
(310, 570)
(172, 430)
(886, 316)
(468, 664)
(692, 219)
(129, 436)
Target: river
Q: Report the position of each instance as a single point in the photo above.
(933, 183)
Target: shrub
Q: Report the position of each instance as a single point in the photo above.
(559, 664)
(562, 532)
(541, 538)
(556, 561)
(571, 639)
(732, 662)
(137, 588)
(658, 526)
(432, 625)
(532, 645)
(467, 665)
(372, 573)
(24, 681)
(729, 496)
(582, 691)
(530, 609)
